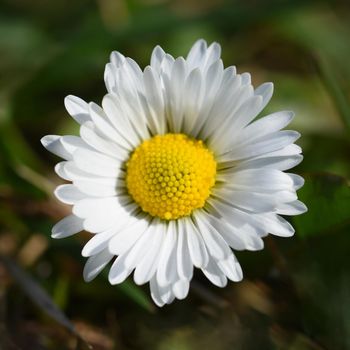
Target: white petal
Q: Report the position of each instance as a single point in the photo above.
(68, 194)
(280, 157)
(225, 103)
(278, 163)
(201, 56)
(166, 66)
(91, 206)
(95, 264)
(213, 54)
(110, 77)
(193, 101)
(167, 262)
(298, 181)
(61, 172)
(68, 226)
(155, 294)
(216, 245)
(243, 224)
(265, 91)
(129, 235)
(99, 223)
(90, 136)
(157, 57)
(249, 201)
(72, 143)
(289, 150)
(126, 135)
(93, 189)
(96, 163)
(184, 263)
(76, 174)
(144, 244)
(153, 93)
(214, 274)
(130, 98)
(146, 268)
(102, 215)
(222, 126)
(175, 94)
(292, 208)
(98, 242)
(119, 272)
(134, 72)
(224, 140)
(53, 144)
(257, 180)
(197, 249)
(100, 119)
(276, 225)
(246, 78)
(166, 294)
(271, 143)
(180, 289)
(266, 125)
(228, 233)
(117, 59)
(212, 81)
(77, 108)
(196, 55)
(231, 268)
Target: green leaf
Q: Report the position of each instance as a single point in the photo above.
(327, 197)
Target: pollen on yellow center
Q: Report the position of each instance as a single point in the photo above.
(170, 175)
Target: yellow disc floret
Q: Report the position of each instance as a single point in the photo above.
(170, 175)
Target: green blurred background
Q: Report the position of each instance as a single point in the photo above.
(296, 293)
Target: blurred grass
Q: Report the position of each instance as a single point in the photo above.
(296, 293)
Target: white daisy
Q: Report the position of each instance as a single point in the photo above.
(172, 172)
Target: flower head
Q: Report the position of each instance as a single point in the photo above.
(173, 171)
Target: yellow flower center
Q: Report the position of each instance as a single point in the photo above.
(170, 175)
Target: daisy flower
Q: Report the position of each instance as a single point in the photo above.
(172, 172)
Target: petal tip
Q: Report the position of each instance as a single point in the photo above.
(48, 139)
